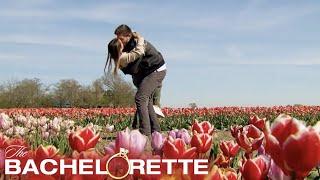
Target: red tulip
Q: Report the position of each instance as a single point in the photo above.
(175, 149)
(203, 127)
(202, 142)
(249, 138)
(42, 153)
(257, 122)
(88, 154)
(217, 174)
(222, 161)
(2, 158)
(47, 152)
(229, 148)
(38, 177)
(10, 146)
(294, 147)
(148, 156)
(255, 169)
(15, 141)
(231, 175)
(83, 139)
(214, 174)
(79, 113)
(3, 140)
(234, 130)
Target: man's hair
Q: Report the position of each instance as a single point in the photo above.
(123, 30)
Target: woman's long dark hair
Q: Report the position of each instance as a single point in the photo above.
(114, 52)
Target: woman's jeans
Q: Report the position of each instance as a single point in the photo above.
(148, 122)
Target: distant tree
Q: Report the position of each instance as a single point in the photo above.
(102, 92)
(98, 90)
(67, 93)
(118, 92)
(25, 93)
(193, 105)
(6, 94)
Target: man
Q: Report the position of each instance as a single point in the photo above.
(124, 34)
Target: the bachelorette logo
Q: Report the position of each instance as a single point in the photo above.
(14, 154)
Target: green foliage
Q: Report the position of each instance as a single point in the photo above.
(31, 93)
(25, 93)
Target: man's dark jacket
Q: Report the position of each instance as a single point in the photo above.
(151, 61)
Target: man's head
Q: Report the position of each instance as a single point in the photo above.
(123, 33)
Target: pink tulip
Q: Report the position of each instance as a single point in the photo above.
(182, 134)
(110, 149)
(173, 133)
(133, 141)
(276, 173)
(157, 142)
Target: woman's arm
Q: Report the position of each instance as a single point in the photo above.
(134, 54)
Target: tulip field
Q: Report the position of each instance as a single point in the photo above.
(280, 142)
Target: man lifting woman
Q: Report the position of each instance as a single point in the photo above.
(133, 55)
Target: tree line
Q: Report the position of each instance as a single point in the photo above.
(103, 92)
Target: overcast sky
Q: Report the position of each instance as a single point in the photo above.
(218, 53)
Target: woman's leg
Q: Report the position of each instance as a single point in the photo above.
(144, 97)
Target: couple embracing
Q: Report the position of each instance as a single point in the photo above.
(133, 55)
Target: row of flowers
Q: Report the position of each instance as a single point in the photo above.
(259, 150)
(221, 117)
(80, 113)
(43, 130)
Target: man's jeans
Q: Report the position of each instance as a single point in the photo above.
(156, 96)
(147, 118)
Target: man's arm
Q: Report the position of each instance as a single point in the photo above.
(134, 54)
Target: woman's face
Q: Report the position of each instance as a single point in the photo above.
(121, 46)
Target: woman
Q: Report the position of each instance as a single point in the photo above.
(147, 67)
